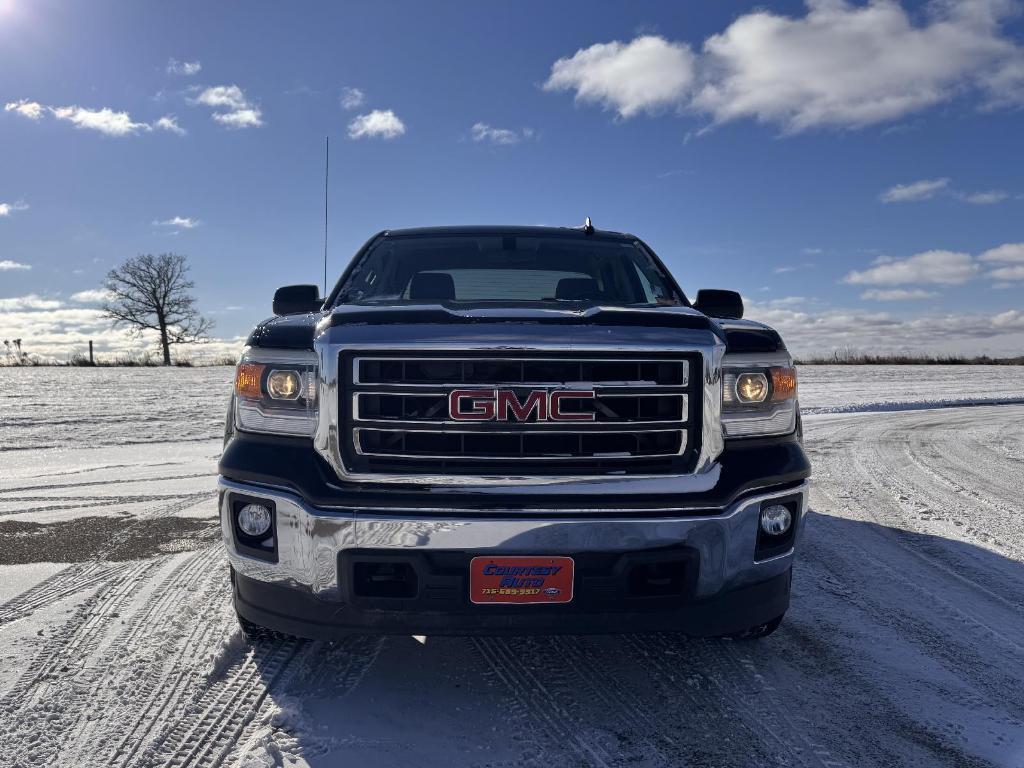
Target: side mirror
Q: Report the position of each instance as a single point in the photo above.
(717, 303)
(295, 299)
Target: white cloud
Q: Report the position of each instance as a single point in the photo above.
(33, 110)
(939, 268)
(482, 132)
(186, 68)
(91, 296)
(223, 97)
(645, 75)
(104, 120)
(6, 209)
(929, 267)
(57, 333)
(855, 65)
(1009, 253)
(918, 190)
(250, 117)
(897, 294)
(841, 64)
(31, 301)
(1008, 260)
(926, 189)
(178, 222)
(231, 106)
(1012, 318)
(984, 198)
(783, 270)
(1015, 272)
(169, 123)
(352, 98)
(809, 332)
(6, 265)
(382, 123)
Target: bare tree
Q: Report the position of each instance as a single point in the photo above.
(153, 293)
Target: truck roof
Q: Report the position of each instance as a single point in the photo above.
(520, 230)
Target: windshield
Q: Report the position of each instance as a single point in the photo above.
(507, 269)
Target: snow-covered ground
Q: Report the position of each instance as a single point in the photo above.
(904, 645)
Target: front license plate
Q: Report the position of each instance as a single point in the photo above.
(520, 580)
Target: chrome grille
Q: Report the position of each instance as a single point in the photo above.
(643, 414)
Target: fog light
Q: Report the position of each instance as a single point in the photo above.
(254, 519)
(776, 519)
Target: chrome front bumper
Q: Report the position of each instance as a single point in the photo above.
(310, 539)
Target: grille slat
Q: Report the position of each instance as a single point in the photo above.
(528, 372)
(417, 408)
(542, 446)
(643, 408)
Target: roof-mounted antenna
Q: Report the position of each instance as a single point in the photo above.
(327, 175)
(588, 226)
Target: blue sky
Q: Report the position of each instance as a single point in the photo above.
(853, 169)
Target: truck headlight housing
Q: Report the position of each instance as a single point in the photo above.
(276, 392)
(751, 388)
(759, 399)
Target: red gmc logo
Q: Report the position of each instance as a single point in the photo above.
(505, 405)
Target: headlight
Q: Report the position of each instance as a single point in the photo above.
(284, 385)
(275, 392)
(751, 388)
(759, 397)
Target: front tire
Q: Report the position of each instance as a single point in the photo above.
(255, 633)
(759, 631)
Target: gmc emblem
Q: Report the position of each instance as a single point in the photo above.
(505, 405)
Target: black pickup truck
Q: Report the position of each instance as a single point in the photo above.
(487, 430)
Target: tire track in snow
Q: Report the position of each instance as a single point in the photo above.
(105, 481)
(42, 701)
(532, 690)
(582, 658)
(179, 501)
(770, 711)
(329, 669)
(74, 578)
(152, 681)
(996, 672)
(222, 710)
(886, 503)
(729, 701)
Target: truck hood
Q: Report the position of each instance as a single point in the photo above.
(523, 327)
(505, 327)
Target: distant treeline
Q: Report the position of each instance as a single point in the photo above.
(143, 360)
(79, 360)
(860, 358)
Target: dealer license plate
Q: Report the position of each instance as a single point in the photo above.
(520, 580)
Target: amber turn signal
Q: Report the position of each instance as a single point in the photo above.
(247, 380)
(783, 384)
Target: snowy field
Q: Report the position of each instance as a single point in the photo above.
(904, 645)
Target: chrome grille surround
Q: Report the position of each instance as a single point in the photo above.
(708, 351)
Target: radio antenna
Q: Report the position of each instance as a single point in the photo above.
(327, 174)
